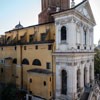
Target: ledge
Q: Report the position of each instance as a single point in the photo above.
(28, 43)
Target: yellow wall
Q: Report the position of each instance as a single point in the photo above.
(37, 86)
(13, 73)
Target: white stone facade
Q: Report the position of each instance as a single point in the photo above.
(75, 53)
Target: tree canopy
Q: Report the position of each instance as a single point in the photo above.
(97, 61)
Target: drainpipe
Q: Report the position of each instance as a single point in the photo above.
(52, 77)
(21, 68)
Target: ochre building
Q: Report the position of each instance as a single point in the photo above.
(54, 59)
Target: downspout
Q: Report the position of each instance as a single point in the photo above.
(21, 68)
(53, 96)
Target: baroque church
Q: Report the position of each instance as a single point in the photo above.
(53, 60)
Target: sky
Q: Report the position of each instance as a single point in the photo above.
(26, 11)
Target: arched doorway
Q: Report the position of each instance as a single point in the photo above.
(90, 70)
(85, 76)
(78, 79)
(64, 82)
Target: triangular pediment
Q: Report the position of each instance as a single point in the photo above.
(85, 10)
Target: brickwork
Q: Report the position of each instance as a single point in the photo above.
(45, 15)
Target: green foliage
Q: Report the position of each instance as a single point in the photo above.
(9, 92)
(97, 61)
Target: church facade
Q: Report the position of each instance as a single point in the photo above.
(53, 60)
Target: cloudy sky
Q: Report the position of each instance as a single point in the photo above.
(26, 11)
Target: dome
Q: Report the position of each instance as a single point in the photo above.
(18, 26)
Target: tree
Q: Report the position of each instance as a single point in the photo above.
(9, 92)
(97, 61)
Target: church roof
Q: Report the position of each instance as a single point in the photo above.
(18, 26)
(29, 26)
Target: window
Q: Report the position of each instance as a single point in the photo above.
(15, 47)
(50, 79)
(78, 47)
(49, 47)
(64, 82)
(85, 37)
(48, 65)
(85, 48)
(50, 93)
(2, 49)
(30, 80)
(12, 75)
(24, 47)
(43, 36)
(2, 61)
(15, 61)
(36, 47)
(36, 62)
(30, 92)
(31, 38)
(30, 97)
(25, 61)
(63, 33)
(44, 83)
(1, 70)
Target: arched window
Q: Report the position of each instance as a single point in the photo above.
(78, 79)
(64, 82)
(85, 76)
(85, 37)
(25, 61)
(36, 62)
(14, 61)
(63, 33)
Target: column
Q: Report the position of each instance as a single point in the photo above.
(87, 77)
(92, 73)
(72, 34)
(87, 39)
(57, 35)
(72, 83)
(58, 81)
(82, 77)
(82, 37)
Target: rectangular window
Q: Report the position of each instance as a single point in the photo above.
(44, 83)
(15, 47)
(2, 48)
(2, 61)
(31, 38)
(43, 36)
(24, 47)
(48, 65)
(49, 47)
(78, 47)
(85, 48)
(50, 93)
(29, 97)
(1, 70)
(50, 79)
(36, 47)
(30, 80)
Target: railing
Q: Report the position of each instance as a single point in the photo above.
(27, 43)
